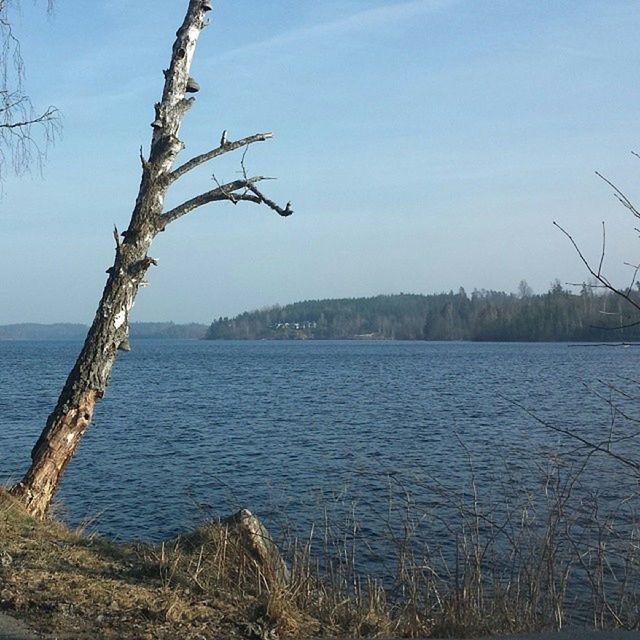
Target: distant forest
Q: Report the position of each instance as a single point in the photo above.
(558, 315)
(66, 331)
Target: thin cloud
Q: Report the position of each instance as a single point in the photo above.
(369, 19)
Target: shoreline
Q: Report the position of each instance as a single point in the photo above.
(222, 580)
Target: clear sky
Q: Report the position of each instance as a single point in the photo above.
(425, 145)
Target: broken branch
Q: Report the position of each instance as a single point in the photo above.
(225, 147)
(287, 211)
(249, 193)
(222, 192)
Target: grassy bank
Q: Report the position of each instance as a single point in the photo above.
(63, 582)
(203, 585)
(517, 572)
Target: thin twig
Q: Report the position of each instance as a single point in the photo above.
(225, 147)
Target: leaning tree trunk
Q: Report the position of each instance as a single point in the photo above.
(109, 332)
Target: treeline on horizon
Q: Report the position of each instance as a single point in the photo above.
(69, 331)
(560, 315)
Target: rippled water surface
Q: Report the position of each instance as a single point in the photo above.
(289, 427)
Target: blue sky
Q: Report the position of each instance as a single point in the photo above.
(425, 145)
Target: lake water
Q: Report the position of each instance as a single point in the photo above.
(298, 430)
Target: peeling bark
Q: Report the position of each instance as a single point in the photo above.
(109, 331)
(51, 454)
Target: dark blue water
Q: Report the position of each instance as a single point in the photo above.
(296, 429)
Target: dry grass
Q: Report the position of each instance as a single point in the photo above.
(203, 585)
(62, 582)
(511, 570)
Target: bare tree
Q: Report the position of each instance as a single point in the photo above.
(24, 133)
(109, 332)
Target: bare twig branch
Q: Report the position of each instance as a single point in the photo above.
(237, 197)
(287, 211)
(225, 147)
(593, 446)
(589, 285)
(616, 328)
(620, 196)
(636, 268)
(49, 115)
(244, 190)
(598, 274)
(604, 245)
(242, 164)
(24, 134)
(222, 192)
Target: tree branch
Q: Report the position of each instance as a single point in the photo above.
(225, 147)
(19, 122)
(287, 211)
(620, 196)
(49, 115)
(598, 275)
(248, 193)
(593, 446)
